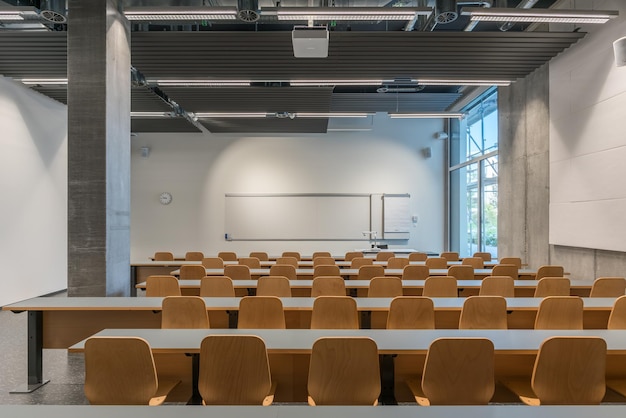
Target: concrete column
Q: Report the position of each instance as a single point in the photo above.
(98, 149)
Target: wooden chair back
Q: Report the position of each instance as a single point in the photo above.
(418, 256)
(617, 319)
(252, 262)
(328, 286)
(273, 286)
(440, 287)
(261, 255)
(415, 272)
(367, 272)
(459, 371)
(321, 261)
(286, 270)
(261, 312)
(234, 370)
(570, 371)
(385, 287)
(217, 286)
(344, 371)
(227, 255)
(486, 256)
(475, 262)
(411, 312)
(163, 256)
(450, 255)
(294, 254)
(350, 255)
(191, 272)
(292, 261)
(397, 263)
(357, 262)
(237, 272)
(497, 286)
(194, 256)
(384, 255)
(334, 312)
(436, 263)
(483, 312)
(184, 312)
(162, 286)
(552, 286)
(608, 287)
(461, 272)
(549, 271)
(516, 261)
(213, 263)
(560, 312)
(321, 254)
(510, 270)
(326, 270)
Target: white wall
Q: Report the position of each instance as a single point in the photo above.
(33, 186)
(587, 140)
(198, 169)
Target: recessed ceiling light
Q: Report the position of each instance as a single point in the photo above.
(495, 14)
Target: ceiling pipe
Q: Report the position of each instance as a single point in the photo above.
(525, 4)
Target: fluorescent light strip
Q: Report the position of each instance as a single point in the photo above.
(304, 83)
(350, 13)
(426, 115)
(11, 16)
(231, 115)
(201, 83)
(43, 81)
(452, 82)
(333, 115)
(151, 114)
(538, 15)
(180, 13)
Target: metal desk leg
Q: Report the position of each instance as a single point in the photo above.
(387, 385)
(196, 398)
(233, 319)
(35, 354)
(133, 280)
(366, 319)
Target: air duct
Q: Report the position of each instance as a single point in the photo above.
(445, 11)
(53, 11)
(248, 10)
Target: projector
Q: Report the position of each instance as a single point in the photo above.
(310, 41)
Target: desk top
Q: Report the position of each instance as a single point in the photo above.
(355, 272)
(266, 264)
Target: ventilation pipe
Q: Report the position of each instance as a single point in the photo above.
(445, 11)
(525, 4)
(248, 10)
(53, 11)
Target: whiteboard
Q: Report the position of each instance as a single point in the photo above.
(297, 216)
(396, 216)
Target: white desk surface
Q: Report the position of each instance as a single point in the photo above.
(267, 264)
(293, 341)
(304, 411)
(355, 272)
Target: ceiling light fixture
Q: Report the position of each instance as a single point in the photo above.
(200, 83)
(218, 115)
(151, 114)
(10, 16)
(333, 115)
(305, 83)
(43, 81)
(180, 13)
(427, 115)
(456, 82)
(347, 13)
(538, 15)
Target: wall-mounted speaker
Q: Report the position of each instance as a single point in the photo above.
(427, 152)
(619, 49)
(310, 41)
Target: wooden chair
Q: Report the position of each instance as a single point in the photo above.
(475, 262)
(411, 312)
(322, 261)
(328, 286)
(552, 286)
(457, 371)
(567, 371)
(213, 263)
(415, 272)
(163, 256)
(184, 312)
(516, 261)
(292, 261)
(191, 272)
(617, 319)
(344, 371)
(294, 254)
(608, 287)
(321, 254)
(483, 312)
(367, 272)
(510, 270)
(357, 262)
(334, 312)
(235, 370)
(385, 287)
(262, 256)
(162, 286)
(350, 255)
(436, 263)
(194, 256)
(216, 286)
(384, 255)
(273, 286)
(461, 272)
(262, 312)
(549, 271)
(497, 286)
(560, 312)
(252, 262)
(237, 272)
(227, 255)
(121, 371)
(440, 287)
(326, 270)
(486, 256)
(397, 263)
(417, 256)
(450, 255)
(286, 270)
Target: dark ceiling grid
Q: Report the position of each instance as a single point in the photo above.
(273, 125)
(392, 102)
(162, 125)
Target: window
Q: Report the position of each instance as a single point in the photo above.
(473, 177)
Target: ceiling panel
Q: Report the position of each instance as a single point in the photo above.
(271, 125)
(177, 124)
(392, 102)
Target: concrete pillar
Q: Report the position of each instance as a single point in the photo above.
(98, 149)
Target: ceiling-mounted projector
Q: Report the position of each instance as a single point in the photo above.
(310, 41)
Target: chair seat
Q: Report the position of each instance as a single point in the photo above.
(165, 387)
(523, 389)
(618, 385)
(415, 385)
